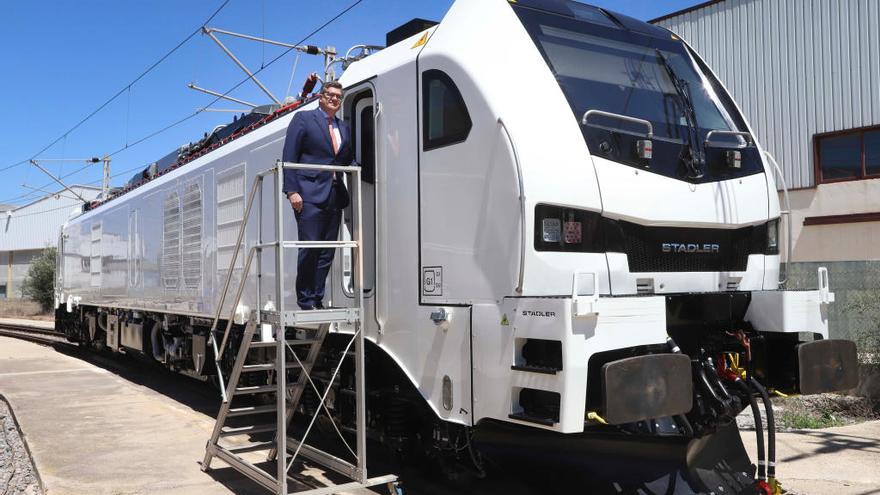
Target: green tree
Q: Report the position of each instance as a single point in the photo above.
(39, 284)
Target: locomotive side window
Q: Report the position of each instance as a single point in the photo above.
(171, 242)
(445, 118)
(367, 146)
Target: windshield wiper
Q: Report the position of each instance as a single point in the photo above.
(693, 157)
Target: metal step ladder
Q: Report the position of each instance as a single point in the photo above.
(292, 333)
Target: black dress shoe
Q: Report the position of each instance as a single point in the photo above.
(306, 308)
(319, 305)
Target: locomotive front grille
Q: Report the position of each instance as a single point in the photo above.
(676, 249)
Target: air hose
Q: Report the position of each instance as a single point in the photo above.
(771, 434)
(720, 405)
(759, 430)
(756, 413)
(686, 427)
(727, 399)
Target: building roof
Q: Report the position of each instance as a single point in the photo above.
(37, 224)
(685, 11)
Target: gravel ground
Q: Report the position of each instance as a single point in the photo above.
(833, 409)
(17, 473)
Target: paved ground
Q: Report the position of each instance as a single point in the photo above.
(94, 431)
(844, 460)
(121, 430)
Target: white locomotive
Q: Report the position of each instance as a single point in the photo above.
(568, 222)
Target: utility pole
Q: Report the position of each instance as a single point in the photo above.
(105, 185)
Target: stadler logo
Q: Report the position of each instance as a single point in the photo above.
(674, 247)
(545, 314)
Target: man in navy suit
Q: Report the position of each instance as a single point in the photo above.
(317, 137)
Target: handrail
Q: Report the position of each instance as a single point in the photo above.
(378, 295)
(718, 132)
(625, 118)
(257, 186)
(244, 275)
(522, 206)
(788, 246)
(321, 168)
(218, 353)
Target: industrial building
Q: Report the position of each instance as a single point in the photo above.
(806, 74)
(28, 230)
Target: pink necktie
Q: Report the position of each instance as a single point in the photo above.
(332, 139)
(332, 135)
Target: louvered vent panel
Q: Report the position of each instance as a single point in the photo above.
(230, 213)
(96, 255)
(191, 235)
(171, 242)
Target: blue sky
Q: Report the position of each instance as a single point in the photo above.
(61, 60)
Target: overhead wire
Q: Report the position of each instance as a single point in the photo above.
(233, 88)
(215, 100)
(121, 91)
(24, 196)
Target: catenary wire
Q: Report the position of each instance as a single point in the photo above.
(123, 90)
(218, 98)
(184, 119)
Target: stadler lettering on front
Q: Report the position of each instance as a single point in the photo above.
(675, 247)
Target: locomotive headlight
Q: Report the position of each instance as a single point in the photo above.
(567, 229)
(773, 236)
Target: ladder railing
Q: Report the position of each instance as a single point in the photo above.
(287, 396)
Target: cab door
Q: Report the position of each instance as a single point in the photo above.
(358, 111)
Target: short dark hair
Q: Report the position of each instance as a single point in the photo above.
(331, 84)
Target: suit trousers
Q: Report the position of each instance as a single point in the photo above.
(315, 223)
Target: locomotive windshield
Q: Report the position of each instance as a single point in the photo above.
(603, 64)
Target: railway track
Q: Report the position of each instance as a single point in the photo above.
(32, 333)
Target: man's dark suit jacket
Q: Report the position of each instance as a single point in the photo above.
(308, 141)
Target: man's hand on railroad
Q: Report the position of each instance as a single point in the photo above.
(296, 201)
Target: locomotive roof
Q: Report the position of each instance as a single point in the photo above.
(245, 124)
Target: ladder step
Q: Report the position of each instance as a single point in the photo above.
(253, 472)
(247, 430)
(257, 345)
(255, 389)
(262, 389)
(245, 411)
(265, 367)
(305, 341)
(251, 447)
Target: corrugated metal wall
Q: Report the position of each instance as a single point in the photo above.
(38, 224)
(796, 68)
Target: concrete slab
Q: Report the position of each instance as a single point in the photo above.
(841, 460)
(117, 429)
(93, 432)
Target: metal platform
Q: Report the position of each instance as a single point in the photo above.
(288, 372)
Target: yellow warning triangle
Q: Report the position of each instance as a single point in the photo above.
(504, 320)
(422, 40)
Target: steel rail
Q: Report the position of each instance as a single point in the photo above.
(33, 334)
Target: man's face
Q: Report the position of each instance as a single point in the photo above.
(331, 100)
